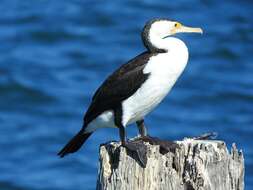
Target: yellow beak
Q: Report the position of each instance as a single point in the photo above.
(186, 29)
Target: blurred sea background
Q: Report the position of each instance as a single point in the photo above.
(54, 54)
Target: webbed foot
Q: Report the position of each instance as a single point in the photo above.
(138, 148)
(206, 136)
(165, 145)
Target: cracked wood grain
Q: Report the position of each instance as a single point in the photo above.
(196, 165)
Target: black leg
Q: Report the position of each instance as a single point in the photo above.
(138, 148)
(122, 134)
(142, 128)
(118, 123)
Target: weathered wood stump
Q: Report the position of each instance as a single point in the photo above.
(196, 164)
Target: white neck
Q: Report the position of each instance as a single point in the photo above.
(169, 44)
(173, 60)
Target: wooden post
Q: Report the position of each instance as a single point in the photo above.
(196, 165)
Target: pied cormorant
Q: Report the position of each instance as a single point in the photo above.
(137, 87)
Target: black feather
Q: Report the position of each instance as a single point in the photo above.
(75, 143)
(123, 83)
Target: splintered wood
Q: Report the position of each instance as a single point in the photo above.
(195, 165)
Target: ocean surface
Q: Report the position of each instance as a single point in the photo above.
(54, 55)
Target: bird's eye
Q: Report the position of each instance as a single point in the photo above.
(177, 25)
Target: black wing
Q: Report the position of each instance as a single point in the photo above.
(124, 82)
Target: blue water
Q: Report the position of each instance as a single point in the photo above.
(54, 54)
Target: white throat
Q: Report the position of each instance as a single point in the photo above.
(173, 61)
(168, 44)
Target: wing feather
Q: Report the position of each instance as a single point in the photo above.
(120, 85)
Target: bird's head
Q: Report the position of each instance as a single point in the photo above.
(156, 30)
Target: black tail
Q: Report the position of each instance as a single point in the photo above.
(75, 143)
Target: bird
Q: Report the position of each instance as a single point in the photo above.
(133, 90)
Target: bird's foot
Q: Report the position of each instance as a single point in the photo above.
(165, 145)
(206, 136)
(138, 148)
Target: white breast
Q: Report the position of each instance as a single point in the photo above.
(164, 69)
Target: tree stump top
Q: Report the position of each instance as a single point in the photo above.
(196, 164)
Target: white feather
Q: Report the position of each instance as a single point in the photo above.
(164, 69)
(106, 119)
